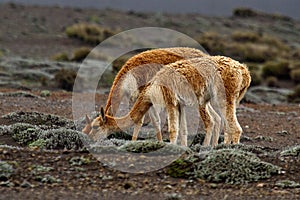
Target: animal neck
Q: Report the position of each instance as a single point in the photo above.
(135, 115)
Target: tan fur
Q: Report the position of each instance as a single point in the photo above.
(183, 83)
(235, 76)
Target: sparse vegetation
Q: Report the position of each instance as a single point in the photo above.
(279, 69)
(295, 75)
(245, 36)
(90, 33)
(65, 79)
(80, 54)
(295, 96)
(231, 166)
(272, 81)
(61, 57)
(6, 170)
(118, 63)
(244, 12)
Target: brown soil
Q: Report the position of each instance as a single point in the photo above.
(38, 32)
(94, 180)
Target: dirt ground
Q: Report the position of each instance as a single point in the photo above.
(38, 32)
(272, 126)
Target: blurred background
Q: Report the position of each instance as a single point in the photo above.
(43, 42)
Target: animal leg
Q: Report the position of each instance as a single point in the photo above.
(208, 123)
(136, 129)
(216, 122)
(233, 129)
(173, 123)
(155, 118)
(183, 127)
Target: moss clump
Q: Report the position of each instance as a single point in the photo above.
(292, 151)
(40, 143)
(65, 79)
(287, 184)
(6, 170)
(279, 69)
(183, 167)
(90, 33)
(63, 138)
(231, 166)
(234, 167)
(38, 169)
(25, 133)
(143, 146)
(78, 161)
(40, 119)
(153, 146)
(47, 179)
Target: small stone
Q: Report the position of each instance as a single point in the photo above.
(45, 93)
(260, 185)
(25, 184)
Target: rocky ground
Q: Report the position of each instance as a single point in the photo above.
(40, 173)
(42, 155)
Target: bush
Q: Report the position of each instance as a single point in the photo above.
(255, 78)
(244, 12)
(61, 57)
(295, 75)
(118, 63)
(65, 79)
(80, 54)
(272, 81)
(212, 42)
(245, 36)
(278, 69)
(295, 96)
(233, 166)
(90, 33)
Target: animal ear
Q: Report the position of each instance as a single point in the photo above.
(87, 120)
(102, 114)
(109, 111)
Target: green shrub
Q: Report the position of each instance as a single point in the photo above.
(118, 63)
(291, 151)
(233, 166)
(212, 42)
(295, 75)
(6, 170)
(272, 81)
(255, 78)
(65, 79)
(61, 57)
(295, 65)
(90, 33)
(273, 42)
(245, 36)
(25, 134)
(80, 54)
(295, 96)
(244, 12)
(279, 69)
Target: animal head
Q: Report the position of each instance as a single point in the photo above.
(98, 126)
